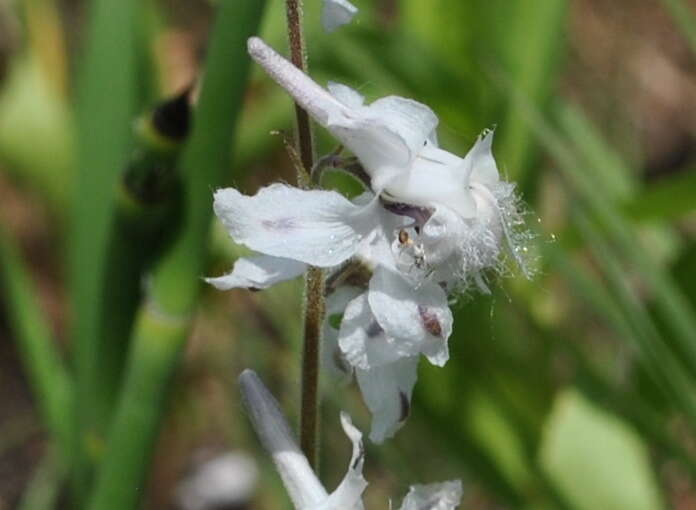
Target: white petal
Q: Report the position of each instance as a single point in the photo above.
(386, 136)
(417, 317)
(348, 96)
(362, 340)
(434, 496)
(259, 272)
(442, 234)
(317, 227)
(348, 495)
(332, 357)
(337, 13)
(302, 485)
(387, 392)
(483, 166)
(414, 122)
(318, 102)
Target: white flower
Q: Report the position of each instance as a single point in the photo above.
(430, 224)
(389, 320)
(336, 13)
(464, 207)
(303, 486)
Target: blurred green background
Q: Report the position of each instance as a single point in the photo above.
(575, 389)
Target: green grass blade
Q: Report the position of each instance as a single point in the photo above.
(105, 104)
(164, 320)
(670, 302)
(661, 362)
(534, 46)
(667, 199)
(38, 351)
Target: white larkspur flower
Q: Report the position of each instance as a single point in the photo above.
(388, 322)
(464, 205)
(336, 13)
(430, 224)
(303, 486)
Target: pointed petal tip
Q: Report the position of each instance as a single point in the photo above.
(248, 377)
(256, 45)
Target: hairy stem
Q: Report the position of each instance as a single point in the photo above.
(314, 281)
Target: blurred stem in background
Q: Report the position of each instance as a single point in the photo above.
(148, 207)
(50, 382)
(107, 70)
(314, 279)
(163, 321)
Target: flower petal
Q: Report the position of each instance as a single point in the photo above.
(317, 101)
(348, 96)
(483, 166)
(302, 485)
(258, 272)
(414, 122)
(387, 392)
(362, 340)
(332, 357)
(348, 495)
(386, 136)
(434, 496)
(416, 316)
(436, 176)
(321, 228)
(337, 13)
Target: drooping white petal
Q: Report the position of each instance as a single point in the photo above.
(417, 317)
(362, 340)
(332, 357)
(259, 272)
(348, 495)
(322, 228)
(302, 485)
(337, 13)
(387, 392)
(434, 496)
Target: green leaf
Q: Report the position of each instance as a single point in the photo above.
(596, 459)
(165, 318)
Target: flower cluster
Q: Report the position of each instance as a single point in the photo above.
(303, 486)
(428, 225)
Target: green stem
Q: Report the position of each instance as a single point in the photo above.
(164, 321)
(104, 135)
(43, 365)
(314, 280)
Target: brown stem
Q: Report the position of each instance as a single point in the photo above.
(298, 56)
(314, 280)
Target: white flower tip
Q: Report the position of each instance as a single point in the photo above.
(337, 13)
(269, 422)
(257, 48)
(219, 282)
